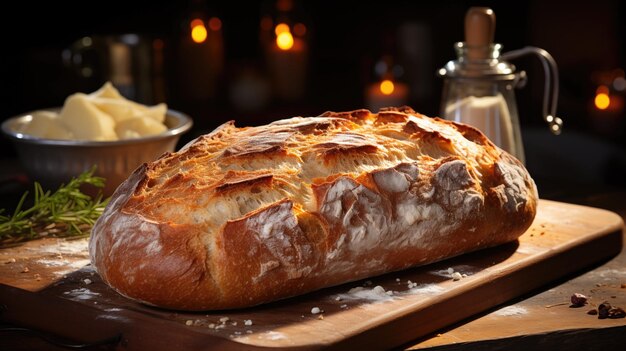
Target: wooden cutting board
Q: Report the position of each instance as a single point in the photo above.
(379, 313)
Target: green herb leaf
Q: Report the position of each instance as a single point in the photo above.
(66, 212)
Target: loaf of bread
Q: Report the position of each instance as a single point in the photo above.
(243, 216)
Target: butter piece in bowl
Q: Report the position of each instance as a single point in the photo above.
(101, 129)
(104, 115)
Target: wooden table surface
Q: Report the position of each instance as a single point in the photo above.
(542, 319)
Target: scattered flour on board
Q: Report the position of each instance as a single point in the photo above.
(427, 289)
(53, 263)
(72, 267)
(447, 273)
(379, 294)
(608, 274)
(375, 294)
(511, 311)
(63, 246)
(272, 335)
(74, 248)
(81, 294)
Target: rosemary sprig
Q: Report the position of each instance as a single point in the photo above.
(65, 212)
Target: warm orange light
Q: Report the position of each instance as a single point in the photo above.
(284, 5)
(196, 22)
(215, 24)
(266, 23)
(158, 44)
(387, 87)
(299, 29)
(602, 101)
(602, 89)
(198, 33)
(281, 28)
(284, 41)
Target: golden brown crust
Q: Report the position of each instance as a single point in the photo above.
(243, 216)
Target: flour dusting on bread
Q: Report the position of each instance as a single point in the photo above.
(243, 216)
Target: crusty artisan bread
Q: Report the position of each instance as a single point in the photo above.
(243, 216)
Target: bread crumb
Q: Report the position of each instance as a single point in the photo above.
(224, 319)
(237, 333)
(338, 298)
(234, 324)
(247, 322)
(10, 260)
(25, 270)
(389, 292)
(456, 276)
(578, 300)
(87, 281)
(212, 325)
(343, 306)
(379, 290)
(450, 270)
(464, 275)
(248, 331)
(320, 317)
(189, 322)
(316, 310)
(398, 279)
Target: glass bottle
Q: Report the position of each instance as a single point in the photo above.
(479, 85)
(479, 92)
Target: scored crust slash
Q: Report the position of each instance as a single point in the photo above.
(244, 216)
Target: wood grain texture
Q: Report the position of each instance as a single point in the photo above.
(563, 239)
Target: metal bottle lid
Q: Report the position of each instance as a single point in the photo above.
(487, 66)
(478, 57)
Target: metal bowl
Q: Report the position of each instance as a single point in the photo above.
(53, 162)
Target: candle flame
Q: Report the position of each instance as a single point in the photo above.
(387, 87)
(215, 24)
(284, 5)
(602, 99)
(281, 28)
(196, 22)
(299, 29)
(198, 32)
(284, 41)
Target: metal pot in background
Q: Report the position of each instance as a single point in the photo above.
(133, 63)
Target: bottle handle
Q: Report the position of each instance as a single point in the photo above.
(551, 72)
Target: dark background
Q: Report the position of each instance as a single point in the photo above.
(345, 40)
